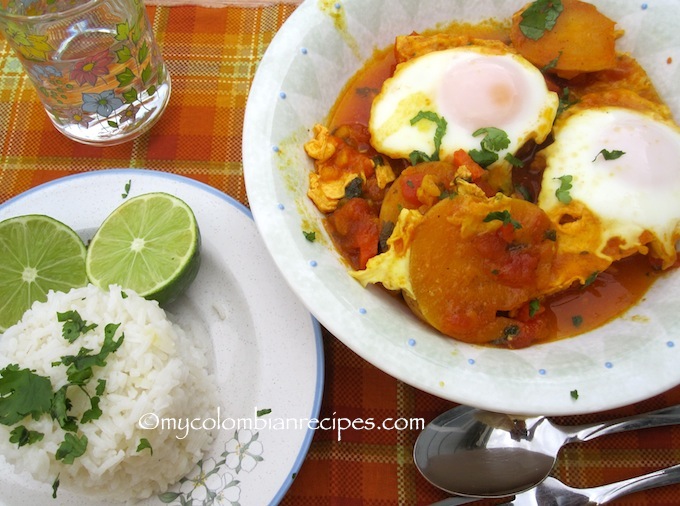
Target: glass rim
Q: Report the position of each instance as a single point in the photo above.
(51, 16)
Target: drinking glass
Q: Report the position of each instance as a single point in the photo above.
(94, 63)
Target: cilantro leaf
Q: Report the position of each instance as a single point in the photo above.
(127, 189)
(143, 445)
(503, 216)
(22, 436)
(23, 393)
(60, 408)
(74, 325)
(552, 63)
(310, 236)
(534, 307)
(574, 394)
(576, 320)
(71, 448)
(566, 101)
(80, 366)
(262, 412)
(482, 157)
(591, 279)
(610, 155)
(55, 487)
(94, 412)
(354, 188)
(540, 17)
(513, 160)
(440, 131)
(494, 139)
(562, 193)
(101, 386)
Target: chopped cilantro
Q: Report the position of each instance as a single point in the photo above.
(562, 193)
(513, 160)
(503, 216)
(310, 236)
(550, 235)
(127, 189)
(143, 445)
(524, 192)
(534, 307)
(93, 413)
(23, 393)
(101, 386)
(262, 412)
(574, 394)
(566, 101)
(55, 487)
(354, 188)
(418, 156)
(74, 325)
(591, 279)
(510, 332)
(482, 157)
(609, 155)
(552, 63)
(576, 320)
(540, 17)
(60, 408)
(22, 436)
(80, 366)
(494, 140)
(71, 448)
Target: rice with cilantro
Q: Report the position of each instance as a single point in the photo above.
(87, 412)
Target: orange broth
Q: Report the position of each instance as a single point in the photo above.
(577, 309)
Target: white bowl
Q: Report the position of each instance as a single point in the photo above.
(317, 50)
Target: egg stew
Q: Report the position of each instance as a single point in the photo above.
(514, 182)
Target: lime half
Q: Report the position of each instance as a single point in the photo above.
(149, 244)
(38, 254)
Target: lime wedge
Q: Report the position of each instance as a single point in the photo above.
(38, 254)
(149, 244)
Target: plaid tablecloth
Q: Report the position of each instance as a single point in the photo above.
(212, 54)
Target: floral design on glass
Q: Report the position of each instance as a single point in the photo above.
(102, 79)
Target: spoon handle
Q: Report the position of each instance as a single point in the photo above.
(665, 416)
(660, 478)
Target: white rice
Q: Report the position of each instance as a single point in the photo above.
(157, 369)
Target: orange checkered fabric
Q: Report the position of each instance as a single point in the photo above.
(212, 55)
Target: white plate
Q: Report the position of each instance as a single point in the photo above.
(308, 63)
(267, 351)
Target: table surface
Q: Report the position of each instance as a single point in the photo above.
(212, 55)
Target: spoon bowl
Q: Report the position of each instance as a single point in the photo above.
(471, 452)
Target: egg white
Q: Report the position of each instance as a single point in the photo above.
(471, 87)
(638, 191)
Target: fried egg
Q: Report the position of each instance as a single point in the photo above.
(472, 88)
(612, 185)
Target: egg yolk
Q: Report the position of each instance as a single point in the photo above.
(480, 93)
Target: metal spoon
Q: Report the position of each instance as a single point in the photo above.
(552, 492)
(470, 452)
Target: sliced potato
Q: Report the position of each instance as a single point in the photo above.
(470, 268)
(582, 40)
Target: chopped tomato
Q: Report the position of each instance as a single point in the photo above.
(532, 328)
(355, 228)
(409, 187)
(462, 157)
